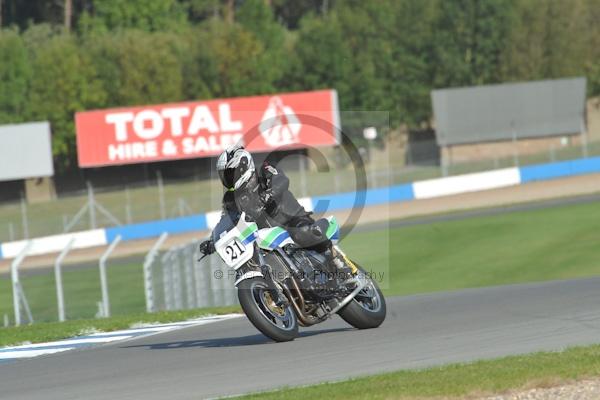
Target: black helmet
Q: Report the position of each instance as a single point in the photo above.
(235, 167)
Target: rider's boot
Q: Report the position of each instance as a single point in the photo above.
(341, 266)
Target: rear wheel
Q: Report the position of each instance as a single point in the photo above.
(367, 309)
(277, 323)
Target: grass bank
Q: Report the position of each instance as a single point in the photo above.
(525, 246)
(49, 331)
(458, 381)
(82, 290)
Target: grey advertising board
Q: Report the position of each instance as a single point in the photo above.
(25, 151)
(509, 111)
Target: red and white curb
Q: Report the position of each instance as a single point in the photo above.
(8, 354)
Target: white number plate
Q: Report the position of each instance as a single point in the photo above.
(232, 252)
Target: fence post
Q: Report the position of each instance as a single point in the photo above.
(166, 270)
(515, 143)
(103, 279)
(128, 217)
(58, 278)
(16, 285)
(188, 257)
(24, 220)
(148, 277)
(584, 137)
(176, 271)
(216, 284)
(25, 303)
(202, 283)
(91, 205)
(161, 195)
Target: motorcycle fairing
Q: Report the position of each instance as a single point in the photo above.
(235, 247)
(272, 238)
(333, 230)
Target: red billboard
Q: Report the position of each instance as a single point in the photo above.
(205, 128)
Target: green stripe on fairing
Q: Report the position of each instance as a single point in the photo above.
(272, 235)
(331, 228)
(248, 231)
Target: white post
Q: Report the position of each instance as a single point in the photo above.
(91, 205)
(584, 137)
(161, 195)
(188, 257)
(103, 279)
(16, 287)
(166, 270)
(176, 274)
(24, 218)
(515, 145)
(25, 303)
(128, 217)
(202, 283)
(148, 278)
(58, 277)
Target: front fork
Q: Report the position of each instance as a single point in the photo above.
(267, 272)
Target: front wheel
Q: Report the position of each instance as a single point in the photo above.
(367, 309)
(277, 323)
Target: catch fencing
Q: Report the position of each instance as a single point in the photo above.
(161, 199)
(171, 279)
(177, 279)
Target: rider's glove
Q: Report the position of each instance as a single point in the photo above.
(207, 247)
(266, 196)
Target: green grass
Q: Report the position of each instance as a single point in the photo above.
(458, 380)
(539, 245)
(49, 331)
(82, 291)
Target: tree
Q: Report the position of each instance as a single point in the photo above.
(470, 36)
(64, 81)
(239, 60)
(548, 40)
(257, 17)
(136, 67)
(146, 15)
(15, 74)
(291, 12)
(68, 10)
(322, 58)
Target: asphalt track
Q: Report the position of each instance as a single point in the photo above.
(231, 357)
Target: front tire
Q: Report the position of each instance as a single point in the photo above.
(367, 310)
(279, 324)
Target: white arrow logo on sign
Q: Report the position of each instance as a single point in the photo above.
(279, 125)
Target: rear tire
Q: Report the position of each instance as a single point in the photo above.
(367, 310)
(254, 298)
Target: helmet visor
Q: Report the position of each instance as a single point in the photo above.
(227, 177)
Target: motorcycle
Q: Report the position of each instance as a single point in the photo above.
(282, 286)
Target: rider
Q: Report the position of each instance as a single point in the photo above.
(263, 194)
